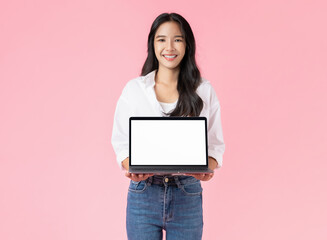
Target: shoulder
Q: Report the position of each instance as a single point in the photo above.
(133, 86)
(207, 92)
(205, 87)
(135, 82)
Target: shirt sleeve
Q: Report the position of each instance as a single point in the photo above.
(216, 145)
(120, 131)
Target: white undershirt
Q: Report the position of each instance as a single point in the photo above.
(167, 107)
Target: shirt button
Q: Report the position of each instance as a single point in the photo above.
(166, 179)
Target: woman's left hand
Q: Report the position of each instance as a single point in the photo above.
(206, 176)
(202, 176)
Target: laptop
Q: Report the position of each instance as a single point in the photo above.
(168, 145)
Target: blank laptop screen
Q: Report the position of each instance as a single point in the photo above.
(168, 142)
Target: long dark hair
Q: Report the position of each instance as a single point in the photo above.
(189, 78)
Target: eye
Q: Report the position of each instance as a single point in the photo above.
(161, 40)
(179, 40)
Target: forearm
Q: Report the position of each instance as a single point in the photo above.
(212, 163)
(125, 163)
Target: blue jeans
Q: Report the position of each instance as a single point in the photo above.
(172, 203)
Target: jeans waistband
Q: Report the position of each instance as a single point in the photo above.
(171, 180)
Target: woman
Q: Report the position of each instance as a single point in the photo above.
(170, 85)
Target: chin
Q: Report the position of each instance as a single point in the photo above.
(171, 67)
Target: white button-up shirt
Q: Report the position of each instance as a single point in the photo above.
(138, 98)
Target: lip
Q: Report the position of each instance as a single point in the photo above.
(170, 59)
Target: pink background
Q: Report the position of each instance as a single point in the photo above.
(63, 65)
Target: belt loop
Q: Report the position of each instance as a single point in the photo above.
(178, 183)
(149, 180)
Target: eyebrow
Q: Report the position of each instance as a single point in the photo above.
(166, 36)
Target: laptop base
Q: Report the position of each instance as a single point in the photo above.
(163, 172)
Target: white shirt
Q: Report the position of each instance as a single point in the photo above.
(138, 99)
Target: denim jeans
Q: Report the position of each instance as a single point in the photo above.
(172, 203)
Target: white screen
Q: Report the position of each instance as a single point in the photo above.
(168, 142)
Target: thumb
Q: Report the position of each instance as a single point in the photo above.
(127, 174)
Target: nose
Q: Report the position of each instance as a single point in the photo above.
(170, 45)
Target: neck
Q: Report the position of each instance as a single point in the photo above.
(167, 76)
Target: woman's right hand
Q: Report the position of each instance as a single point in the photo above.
(133, 176)
(137, 177)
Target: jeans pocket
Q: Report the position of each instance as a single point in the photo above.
(192, 189)
(137, 187)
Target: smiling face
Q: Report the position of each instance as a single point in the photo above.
(169, 45)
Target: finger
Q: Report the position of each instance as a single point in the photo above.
(207, 177)
(135, 177)
(201, 176)
(142, 177)
(189, 174)
(192, 174)
(197, 176)
(146, 176)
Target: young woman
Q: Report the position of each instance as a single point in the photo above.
(170, 85)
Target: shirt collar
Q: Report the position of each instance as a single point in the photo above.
(149, 79)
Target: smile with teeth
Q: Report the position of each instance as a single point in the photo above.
(170, 58)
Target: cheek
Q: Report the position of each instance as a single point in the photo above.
(182, 53)
(182, 50)
(156, 50)
(157, 54)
